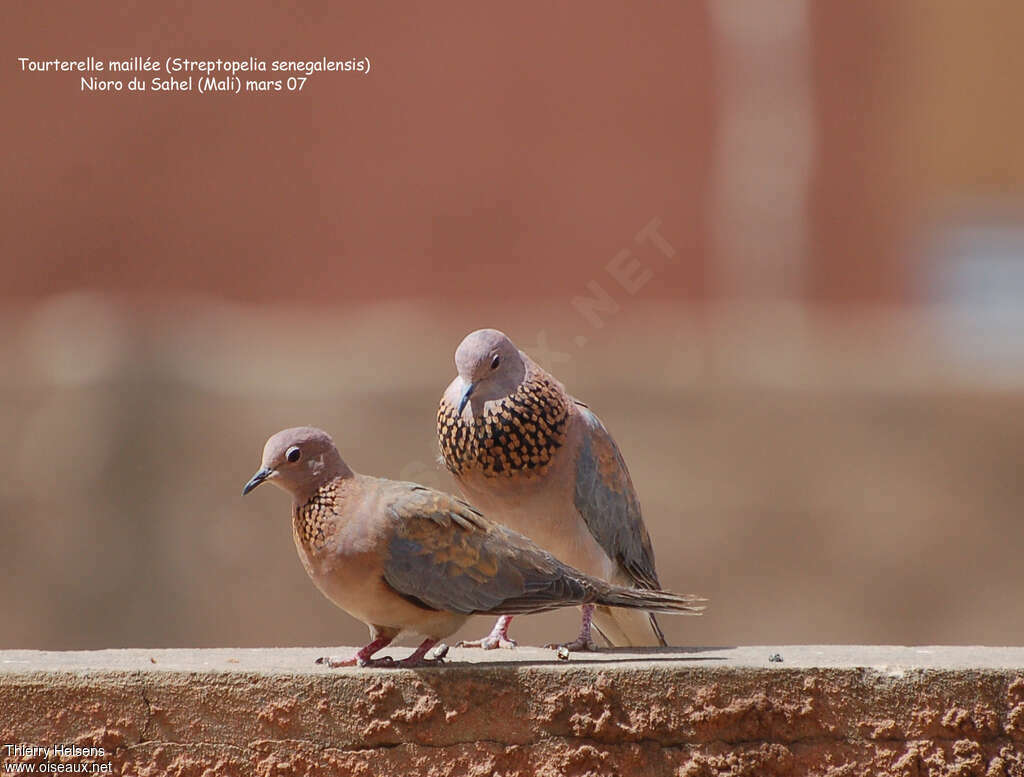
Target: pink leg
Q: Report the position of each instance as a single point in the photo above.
(362, 656)
(584, 641)
(498, 638)
(417, 658)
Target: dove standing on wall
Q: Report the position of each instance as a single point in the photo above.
(540, 462)
(404, 558)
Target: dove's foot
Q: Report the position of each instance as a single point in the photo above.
(383, 661)
(419, 656)
(584, 642)
(498, 638)
(363, 656)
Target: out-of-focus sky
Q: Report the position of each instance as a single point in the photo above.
(778, 247)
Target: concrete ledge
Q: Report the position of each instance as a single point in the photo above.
(695, 712)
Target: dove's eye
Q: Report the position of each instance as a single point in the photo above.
(293, 454)
(495, 362)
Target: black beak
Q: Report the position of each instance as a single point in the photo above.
(466, 394)
(256, 479)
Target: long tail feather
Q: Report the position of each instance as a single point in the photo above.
(652, 600)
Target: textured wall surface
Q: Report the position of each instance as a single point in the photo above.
(708, 711)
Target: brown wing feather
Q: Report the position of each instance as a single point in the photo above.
(607, 502)
(447, 555)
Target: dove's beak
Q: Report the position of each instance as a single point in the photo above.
(466, 394)
(258, 478)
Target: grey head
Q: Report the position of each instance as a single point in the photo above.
(299, 460)
(490, 367)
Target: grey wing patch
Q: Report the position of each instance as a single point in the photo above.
(607, 502)
(443, 555)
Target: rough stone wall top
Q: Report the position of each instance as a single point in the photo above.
(703, 711)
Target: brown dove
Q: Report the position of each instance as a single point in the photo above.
(404, 558)
(540, 462)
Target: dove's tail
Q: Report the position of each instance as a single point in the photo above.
(651, 600)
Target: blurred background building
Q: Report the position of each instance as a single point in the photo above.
(778, 247)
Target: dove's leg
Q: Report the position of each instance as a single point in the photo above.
(363, 657)
(417, 657)
(498, 638)
(584, 641)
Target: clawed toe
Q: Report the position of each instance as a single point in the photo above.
(387, 661)
(362, 658)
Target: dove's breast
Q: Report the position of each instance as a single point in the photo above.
(343, 544)
(516, 438)
(529, 491)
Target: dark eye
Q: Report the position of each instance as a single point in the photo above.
(495, 362)
(293, 454)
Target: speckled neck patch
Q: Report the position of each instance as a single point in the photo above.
(312, 520)
(518, 435)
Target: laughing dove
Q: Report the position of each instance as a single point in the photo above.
(540, 462)
(404, 558)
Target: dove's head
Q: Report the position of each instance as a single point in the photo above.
(490, 366)
(299, 460)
